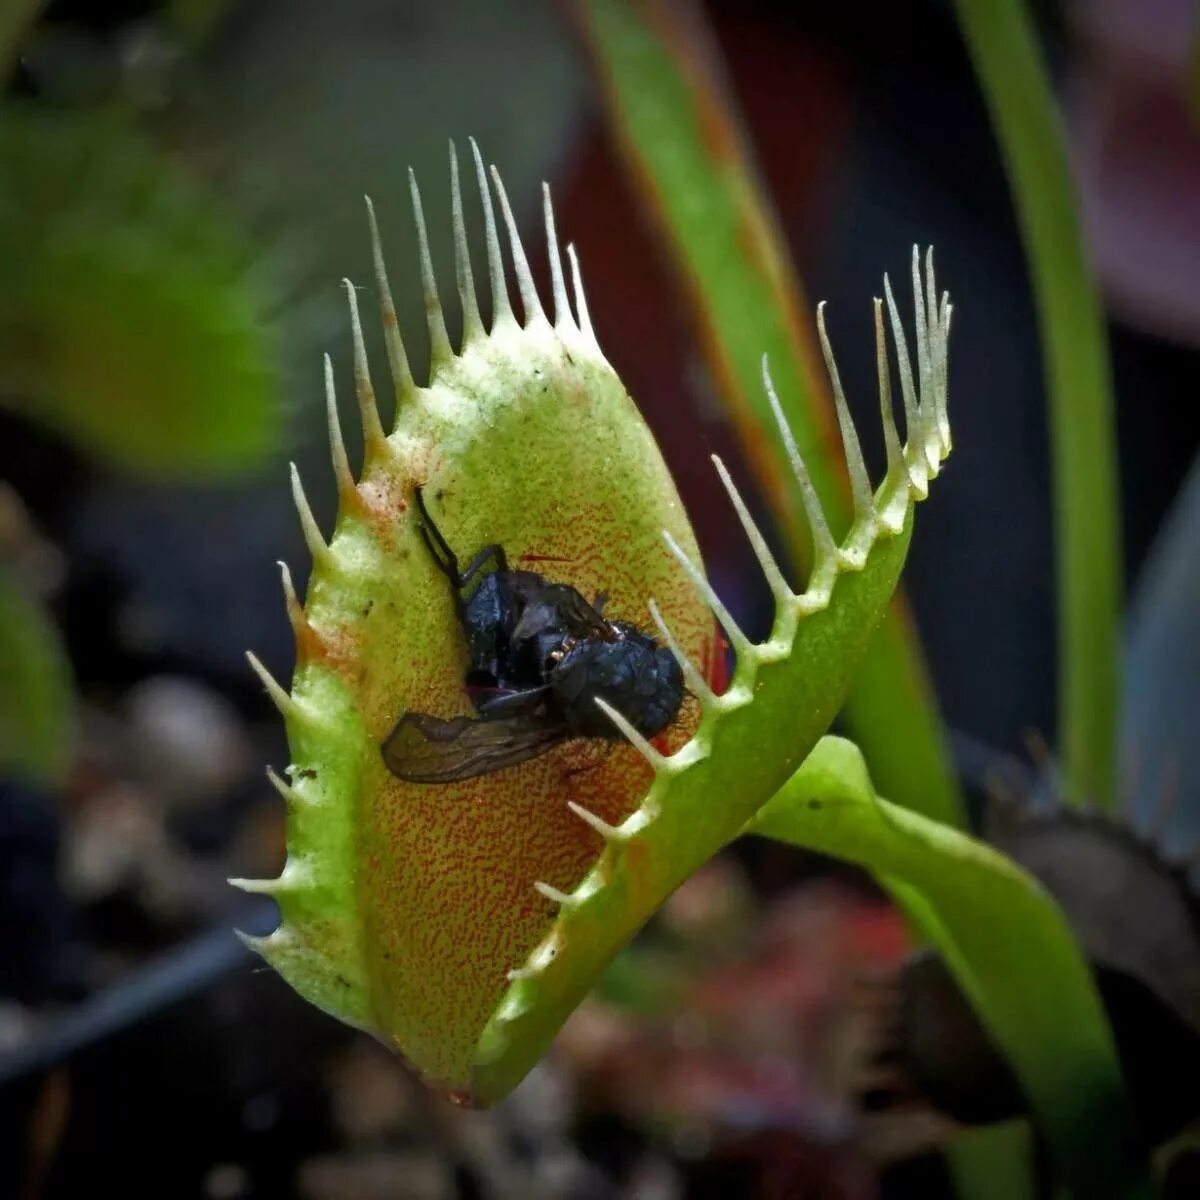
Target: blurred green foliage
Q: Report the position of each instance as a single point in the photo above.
(133, 313)
(35, 689)
(135, 321)
(1002, 41)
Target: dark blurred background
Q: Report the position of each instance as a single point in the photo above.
(141, 1050)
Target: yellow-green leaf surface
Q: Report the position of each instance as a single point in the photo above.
(681, 135)
(463, 922)
(1008, 945)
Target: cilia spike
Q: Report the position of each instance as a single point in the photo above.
(697, 684)
(501, 306)
(284, 703)
(824, 547)
(472, 324)
(295, 610)
(285, 789)
(317, 548)
(374, 439)
(337, 446)
(891, 435)
(610, 833)
(860, 485)
(737, 639)
(632, 735)
(410, 862)
(439, 339)
(766, 560)
(581, 308)
(402, 379)
(558, 286)
(529, 296)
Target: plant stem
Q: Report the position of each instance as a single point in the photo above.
(1001, 40)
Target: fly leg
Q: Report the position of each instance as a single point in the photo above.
(447, 560)
(593, 753)
(492, 553)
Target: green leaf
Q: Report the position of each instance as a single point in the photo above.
(994, 1162)
(1007, 944)
(134, 318)
(680, 132)
(1001, 40)
(36, 720)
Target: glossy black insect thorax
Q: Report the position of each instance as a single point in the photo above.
(539, 656)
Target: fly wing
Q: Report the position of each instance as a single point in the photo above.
(559, 606)
(425, 749)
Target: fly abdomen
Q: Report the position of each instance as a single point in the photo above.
(638, 678)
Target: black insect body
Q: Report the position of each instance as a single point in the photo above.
(540, 656)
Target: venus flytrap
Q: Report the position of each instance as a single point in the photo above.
(404, 906)
(463, 923)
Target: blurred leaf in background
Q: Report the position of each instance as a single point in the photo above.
(1158, 748)
(134, 318)
(135, 322)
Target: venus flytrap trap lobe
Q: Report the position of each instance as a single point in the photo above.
(783, 694)
(463, 922)
(403, 906)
